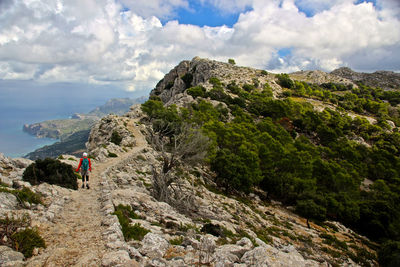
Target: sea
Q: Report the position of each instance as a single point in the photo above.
(26, 102)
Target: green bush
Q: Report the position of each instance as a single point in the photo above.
(264, 72)
(231, 61)
(124, 214)
(116, 138)
(126, 211)
(389, 254)
(26, 240)
(26, 195)
(233, 88)
(215, 82)
(20, 240)
(50, 171)
(249, 87)
(285, 81)
(197, 91)
(112, 155)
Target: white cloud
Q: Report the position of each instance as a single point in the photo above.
(159, 8)
(100, 42)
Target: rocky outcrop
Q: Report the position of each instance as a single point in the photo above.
(101, 143)
(387, 80)
(198, 71)
(320, 77)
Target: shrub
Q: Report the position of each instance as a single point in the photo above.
(112, 155)
(231, 61)
(50, 171)
(197, 91)
(233, 88)
(215, 82)
(389, 254)
(124, 214)
(248, 87)
(126, 211)
(285, 81)
(27, 195)
(264, 72)
(26, 240)
(116, 138)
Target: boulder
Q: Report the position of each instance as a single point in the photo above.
(270, 256)
(9, 256)
(115, 257)
(8, 201)
(6, 181)
(21, 163)
(153, 245)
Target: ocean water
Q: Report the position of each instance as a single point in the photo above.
(28, 102)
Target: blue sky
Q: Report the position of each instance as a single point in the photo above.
(206, 15)
(131, 44)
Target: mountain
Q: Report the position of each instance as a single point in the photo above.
(387, 80)
(231, 166)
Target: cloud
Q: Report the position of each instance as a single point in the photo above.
(124, 42)
(160, 8)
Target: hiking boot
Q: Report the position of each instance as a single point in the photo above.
(83, 185)
(87, 186)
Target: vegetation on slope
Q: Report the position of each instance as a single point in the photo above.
(300, 156)
(51, 171)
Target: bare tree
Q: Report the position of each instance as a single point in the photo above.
(187, 145)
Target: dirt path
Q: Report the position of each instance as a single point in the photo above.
(75, 237)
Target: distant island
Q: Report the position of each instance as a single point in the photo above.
(73, 133)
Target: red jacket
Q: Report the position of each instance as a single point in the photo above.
(80, 163)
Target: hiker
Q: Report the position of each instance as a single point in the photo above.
(85, 165)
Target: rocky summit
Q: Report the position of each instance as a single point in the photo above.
(121, 221)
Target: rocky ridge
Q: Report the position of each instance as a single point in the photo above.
(387, 80)
(219, 231)
(239, 237)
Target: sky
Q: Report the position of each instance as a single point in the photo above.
(130, 45)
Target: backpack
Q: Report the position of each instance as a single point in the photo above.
(85, 164)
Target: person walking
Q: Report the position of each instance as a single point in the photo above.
(85, 165)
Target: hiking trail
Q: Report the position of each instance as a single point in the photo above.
(75, 238)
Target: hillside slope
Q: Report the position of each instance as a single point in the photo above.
(216, 168)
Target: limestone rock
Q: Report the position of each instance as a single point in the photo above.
(7, 181)
(21, 163)
(115, 257)
(8, 201)
(153, 245)
(101, 132)
(270, 256)
(9, 256)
